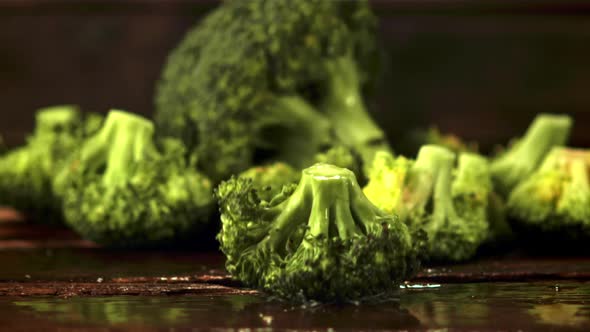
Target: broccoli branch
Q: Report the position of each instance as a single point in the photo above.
(294, 130)
(124, 140)
(344, 105)
(427, 177)
(522, 159)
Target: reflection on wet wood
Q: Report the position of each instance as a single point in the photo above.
(64, 289)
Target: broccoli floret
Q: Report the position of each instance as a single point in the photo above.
(521, 159)
(556, 197)
(319, 240)
(122, 192)
(271, 80)
(428, 194)
(26, 173)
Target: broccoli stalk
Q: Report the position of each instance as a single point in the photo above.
(121, 191)
(323, 241)
(555, 199)
(293, 131)
(345, 109)
(524, 156)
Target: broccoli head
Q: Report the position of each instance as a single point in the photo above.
(26, 172)
(450, 205)
(555, 199)
(271, 80)
(522, 158)
(121, 191)
(318, 240)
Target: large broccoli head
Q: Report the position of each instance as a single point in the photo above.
(271, 80)
(121, 191)
(450, 205)
(318, 240)
(555, 199)
(26, 173)
(521, 159)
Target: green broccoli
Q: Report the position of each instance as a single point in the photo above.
(319, 240)
(122, 191)
(555, 199)
(428, 194)
(26, 173)
(258, 81)
(521, 159)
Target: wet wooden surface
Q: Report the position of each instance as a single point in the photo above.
(69, 283)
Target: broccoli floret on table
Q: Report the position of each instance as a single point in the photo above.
(27, 172)
(429, 193)
(121, 191)
(522, 158)
(318, 240)
(556, 197)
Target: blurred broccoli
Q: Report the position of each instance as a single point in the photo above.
(122, 191)
(319, 240)
(555, 199)
(258, 81)
(451, 206)
(525, 155)
(26, 172)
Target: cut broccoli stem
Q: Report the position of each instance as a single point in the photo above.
(296, 130)
(56, 118)
(472, 176)
(423, 178)
(327, 200)
(124, 140)
(344, 106)
(545, 132)
(444, 210)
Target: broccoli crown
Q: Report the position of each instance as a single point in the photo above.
(521, 159)
(450, 205)
(319, 240)
(270, 80)
(121, 191)
(556, 197)
(26, 173)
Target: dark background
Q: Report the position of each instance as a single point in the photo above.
(481, 69)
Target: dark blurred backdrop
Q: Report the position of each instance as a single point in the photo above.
(481, 69)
